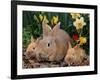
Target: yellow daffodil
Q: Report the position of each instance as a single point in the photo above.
(41, 17)
(54, 20)
(75, 15)
(82, 40)
(45, 19)
(79, 23)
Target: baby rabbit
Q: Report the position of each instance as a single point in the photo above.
(31, 48)
(53, 46)
(75, 56)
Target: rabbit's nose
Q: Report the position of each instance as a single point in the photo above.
(26, 55)
(29, 55)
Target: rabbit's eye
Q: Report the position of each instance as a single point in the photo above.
(48, 44)
(33, 47)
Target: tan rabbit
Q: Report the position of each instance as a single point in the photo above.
(75, 56)
(31, 48)
(53, 46)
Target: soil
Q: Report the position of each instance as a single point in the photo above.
(34, 63)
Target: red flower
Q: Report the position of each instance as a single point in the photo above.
(75, 37)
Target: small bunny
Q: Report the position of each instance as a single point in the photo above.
(75, 56)
(53, 46)
(31, 48)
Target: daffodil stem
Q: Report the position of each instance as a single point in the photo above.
(80, 32)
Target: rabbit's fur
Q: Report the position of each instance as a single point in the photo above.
(75, 56)
(30, 51)
(53, 46)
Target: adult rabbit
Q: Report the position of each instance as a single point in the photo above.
(54, 44)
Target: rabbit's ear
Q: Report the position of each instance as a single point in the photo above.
(38, 39)
(46, 28)
(76, 46)
(69, 45)
(57, 26)
(32, 39)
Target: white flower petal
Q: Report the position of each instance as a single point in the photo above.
(74, 23)
(82, 19)
(77, 19)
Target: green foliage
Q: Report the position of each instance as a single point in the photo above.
(26, 37)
